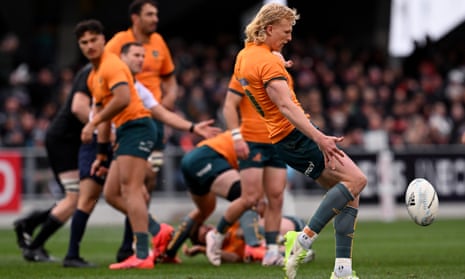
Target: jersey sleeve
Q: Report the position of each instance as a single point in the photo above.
(145, 95)
(80, 83)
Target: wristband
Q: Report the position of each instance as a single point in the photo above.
(191, 129)
(236, 134)
(103, 147)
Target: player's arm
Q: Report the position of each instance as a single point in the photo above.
(80, 106)
(169, 89)
(279, 93)
(174, 120)
(120, 100)
(231, 110)
(100, 164)
(232, 118)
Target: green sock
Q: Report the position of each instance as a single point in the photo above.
(223, 225)
(249, 226)
(344, 227)
(142, 245)
(271, 237)
(154, 226)
(333, 202)
(182, 233)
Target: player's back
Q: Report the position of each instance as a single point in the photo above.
(224, 145)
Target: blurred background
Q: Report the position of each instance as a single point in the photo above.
(389, 76)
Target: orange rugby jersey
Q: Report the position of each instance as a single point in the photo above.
(233, 242)
(102, 79)
(224, 145)
(255, 66)
(157, 62)
(253, 127)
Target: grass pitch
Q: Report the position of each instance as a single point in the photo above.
(399, 249)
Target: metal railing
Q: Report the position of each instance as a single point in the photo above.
(444, 166)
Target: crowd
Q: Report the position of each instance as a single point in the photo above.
(350, 92)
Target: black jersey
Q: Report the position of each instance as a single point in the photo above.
(66, 124)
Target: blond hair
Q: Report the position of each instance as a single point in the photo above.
(268, 14)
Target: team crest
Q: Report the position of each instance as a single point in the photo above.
(155, 53)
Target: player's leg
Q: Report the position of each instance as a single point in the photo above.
(154, 164)
(131, 173)
(251, 193)
(344, 184)
(24, 227)
(88, 197)
(206, 174)
(90, 188)
(57, 217)
(275, 182)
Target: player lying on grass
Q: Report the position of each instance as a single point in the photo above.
(210, 170)
(234, 248)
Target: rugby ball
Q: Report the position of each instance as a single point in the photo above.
(422, 201)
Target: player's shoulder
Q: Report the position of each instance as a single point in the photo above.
(122, 35)
(156, 37)
(84, 71)
(119, 39)
(111, 63)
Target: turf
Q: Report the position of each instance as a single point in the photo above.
(382, 250)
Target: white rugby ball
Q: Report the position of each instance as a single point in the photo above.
(422, 201)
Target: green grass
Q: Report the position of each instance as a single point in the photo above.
(382, 250)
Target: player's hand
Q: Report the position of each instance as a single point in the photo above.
(331, 152)
(205, 129)
(99, 166)
(242, 149)
(87, 133)
(192, 251)
(287, 63)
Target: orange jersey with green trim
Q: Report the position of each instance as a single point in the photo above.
(112, 72)
(224, 145)
(255, 66)
(157, 62)
(253, 127)
(233, 242)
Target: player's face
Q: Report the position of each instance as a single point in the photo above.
(279, 34)
(91, 45)
(148, 19)
(134, 58)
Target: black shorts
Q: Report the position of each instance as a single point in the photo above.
(62, 152)
(87, 155)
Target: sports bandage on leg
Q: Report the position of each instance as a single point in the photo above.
(70, 184)
(156, 160)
